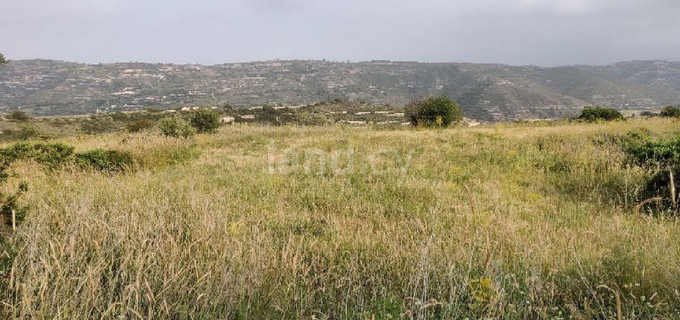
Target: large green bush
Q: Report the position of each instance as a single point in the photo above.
(205, 120)
(671, 112)
(600, 113)
(105, 160)
(58, 155)
(52, 155)
(175, 127)
(434, 111)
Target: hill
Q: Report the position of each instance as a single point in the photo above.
(485, 91)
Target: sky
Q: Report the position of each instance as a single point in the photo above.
(516, 32)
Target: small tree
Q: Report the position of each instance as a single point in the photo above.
(434, 111)
(671, 112)
(600, 113)
(205, 120)
(2, 59)
(174, 127)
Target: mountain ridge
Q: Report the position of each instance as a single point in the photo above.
(491, 92)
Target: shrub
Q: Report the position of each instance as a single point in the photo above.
(20, 116)
(671, 112)
(659, 154)
(25, 132)
(11, 212)
(97, 125)
(205, 120)
(663, 158)
(139, 125)
(175, 127)
(434, 111)
(600, 113)
(105, 160)
(51, 155)
(57, 155)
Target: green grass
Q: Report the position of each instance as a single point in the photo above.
(501, 222)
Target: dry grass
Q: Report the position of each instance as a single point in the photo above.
(506, 222)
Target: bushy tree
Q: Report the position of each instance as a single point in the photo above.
(671, 112)
(600, 113)
(2, 59)
(175, 127)
(205, 120)
(434, 111)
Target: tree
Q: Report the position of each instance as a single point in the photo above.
(434, 111)
(671, 112)
(600, 113)
(2, 59)
(205, 120)
(174, 127)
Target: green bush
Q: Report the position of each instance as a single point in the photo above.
(600, 113)
(175, 127)
(51, 155)
(25, 132)
(656, 153)
(20, 116)
(663, 160)
(105, 160)
(57, 155)
(434, 111)
(671, 112)
(139, 125)
(205, 120)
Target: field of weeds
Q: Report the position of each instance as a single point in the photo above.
(254, 222)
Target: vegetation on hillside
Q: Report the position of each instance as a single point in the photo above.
(600, 113)
(205, 120)
(488, 92)
(511, 221)
(434, 111)
(671, 112)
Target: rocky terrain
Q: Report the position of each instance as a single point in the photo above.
(485, 91)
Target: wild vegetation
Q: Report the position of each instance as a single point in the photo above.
(671, 112)
(598, 113)
(506, 221)
(434, 111)
(488, 92)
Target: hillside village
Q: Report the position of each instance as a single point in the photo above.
(485, 92)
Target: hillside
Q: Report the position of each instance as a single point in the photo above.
(485, 91)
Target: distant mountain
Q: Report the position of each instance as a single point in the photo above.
(485, 91)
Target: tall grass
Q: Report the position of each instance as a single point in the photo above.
(506, 222)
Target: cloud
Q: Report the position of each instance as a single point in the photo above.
(544, 32)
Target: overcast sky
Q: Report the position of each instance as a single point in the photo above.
(518, 32)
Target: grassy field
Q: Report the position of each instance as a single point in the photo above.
(503, 222)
